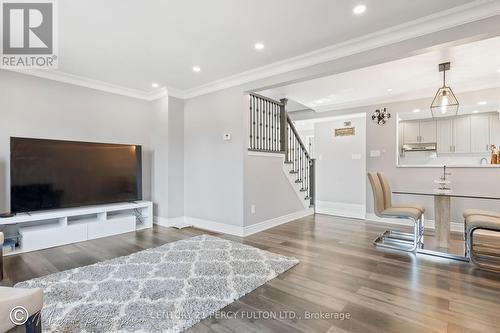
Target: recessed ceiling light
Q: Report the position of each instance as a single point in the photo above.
(359, 9)
(389, 90)
(196, 69)
(155, 85)
(259, 46)
(416, 111)
(482, 103)
(498, 70)
(475, 111)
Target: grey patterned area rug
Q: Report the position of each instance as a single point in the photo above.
(165, 289)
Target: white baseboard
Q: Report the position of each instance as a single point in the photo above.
(429, 224)
(214, 226)
(343, 209)
(171, 222)
(261, 226)
(240, 231)
(187, 221)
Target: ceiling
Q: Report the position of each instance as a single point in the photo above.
(135, 43)
(474, 66)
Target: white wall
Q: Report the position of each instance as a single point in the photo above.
(340, 168)
(40, 108)
(160, 167)
(34, 107)
(175, 157)
(213, 168)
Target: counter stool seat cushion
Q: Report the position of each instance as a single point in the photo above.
(482, 222)
(402, 212)
(470, 212)
(30, 299)
(421, 208)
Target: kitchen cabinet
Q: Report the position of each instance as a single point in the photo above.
(465, 134)
(411, 132)
(428, 131)
(495, 130)
(479, 133)
(444, 136)
(461, 135)
(423, 131)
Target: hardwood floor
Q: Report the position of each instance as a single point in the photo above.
(339, 271)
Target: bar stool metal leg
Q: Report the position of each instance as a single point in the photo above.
(403, 241)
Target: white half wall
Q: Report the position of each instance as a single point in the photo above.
(267, 189)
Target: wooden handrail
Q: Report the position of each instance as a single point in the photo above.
(266, 99)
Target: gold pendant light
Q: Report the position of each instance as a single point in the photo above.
(445, 104)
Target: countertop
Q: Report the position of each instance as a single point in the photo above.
(451, 166)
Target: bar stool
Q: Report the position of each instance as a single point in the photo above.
(476, 219)
(392, 239)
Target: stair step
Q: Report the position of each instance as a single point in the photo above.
(298, 181)
(307, 198)
(303, 189)
(288, 162)
(294, 171)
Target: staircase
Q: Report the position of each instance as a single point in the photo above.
(272, 131)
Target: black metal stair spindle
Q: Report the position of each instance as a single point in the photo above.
(264, 111)
(273, 127)
(268, 126)
(252, 122)
(268, 135)
(260, 124)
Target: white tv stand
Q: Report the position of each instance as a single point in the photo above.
(44, 229)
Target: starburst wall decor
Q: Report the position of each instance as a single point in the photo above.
(381, 117)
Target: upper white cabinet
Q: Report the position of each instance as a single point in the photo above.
(419, 131)
(461, 135)
(428, 131)
(444, 135)
(479, 133)
(411, 132)
(495, 130)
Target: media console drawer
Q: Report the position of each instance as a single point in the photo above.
(42, 236)
(112, 226)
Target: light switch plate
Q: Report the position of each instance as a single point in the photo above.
(375, 153)
(356, 156)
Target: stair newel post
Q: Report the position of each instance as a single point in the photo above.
(312, 181)
(283, 128)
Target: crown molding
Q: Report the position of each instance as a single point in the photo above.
(477, 10)
(177, 93)
(95, 84)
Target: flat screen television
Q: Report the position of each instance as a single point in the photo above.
(52, 174)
